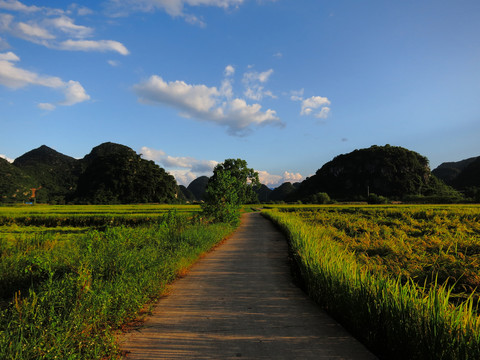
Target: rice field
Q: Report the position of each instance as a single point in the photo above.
(71, 276)
(404, 279)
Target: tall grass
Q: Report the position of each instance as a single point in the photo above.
(68, 295)
(397, 319)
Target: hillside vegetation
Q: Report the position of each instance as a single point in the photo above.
(388, 171)
(109, 174)
(114, 174)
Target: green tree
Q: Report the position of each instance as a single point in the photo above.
(231, 186)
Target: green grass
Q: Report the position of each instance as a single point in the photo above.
(64, 290)
(386, 273)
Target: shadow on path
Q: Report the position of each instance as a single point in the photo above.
(239, 301)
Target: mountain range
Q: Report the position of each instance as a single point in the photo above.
(114, 174)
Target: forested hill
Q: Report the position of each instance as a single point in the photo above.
(110, 174)
(388, 171)
(449, 171)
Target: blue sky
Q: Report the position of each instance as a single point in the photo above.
(286, 85)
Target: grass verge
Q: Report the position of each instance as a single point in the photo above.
(76, 291)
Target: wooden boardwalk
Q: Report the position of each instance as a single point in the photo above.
(239, 302)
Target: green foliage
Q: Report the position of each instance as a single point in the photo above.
(321, 198)
(376, 199)
(231, 186)
(389, 171)
(55, 173)
(110, 174)
(65, 291)
(15, 185)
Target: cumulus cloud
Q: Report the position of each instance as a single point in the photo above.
(272, 180)
(254, 88)
(314, 103)
(317, 106)
(53, 28)
(183, 168)
(74, 93)
(206, 103)
(183, 177)
(14, 77)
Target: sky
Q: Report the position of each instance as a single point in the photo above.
(286, 85)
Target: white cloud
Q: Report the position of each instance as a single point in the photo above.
(74, 93)
(254, 76)
(205, 103)
(6, 158)
(297, 95)
(183, 177)
(292, 177)
(32, 32)
(94, 45)
(9, 56)
(318, 106)
(268, 179)
(14, 77)
(229, 70)
(253, 88)
(15, 5)
(272, 180)
(66, 25)
(312, 103)
(52, 28)
(46, 106)
(113, 63)
(80, 10)
(184, 168)
(186, 162)
(175, 8)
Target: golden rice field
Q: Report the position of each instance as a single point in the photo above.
(403, 278)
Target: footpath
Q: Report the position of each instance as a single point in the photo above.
(239, 301)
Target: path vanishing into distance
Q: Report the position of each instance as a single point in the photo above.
(239, 301)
